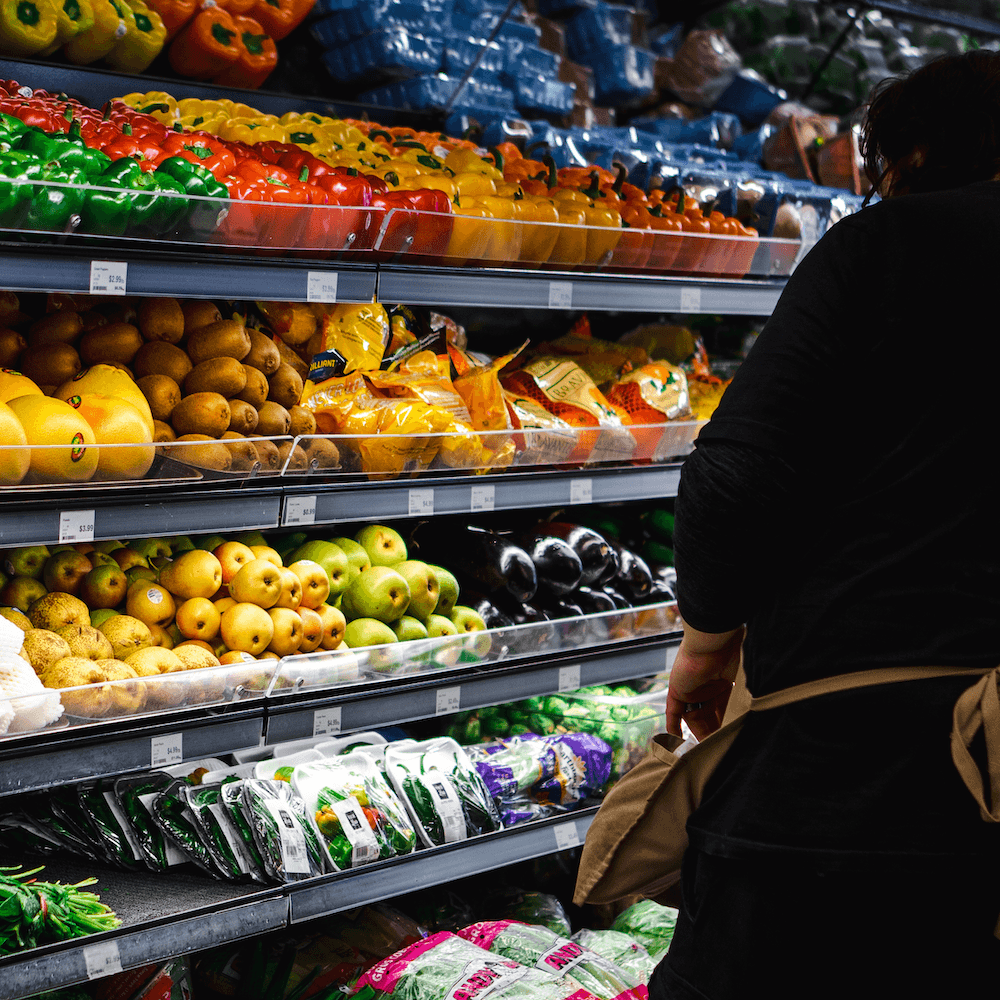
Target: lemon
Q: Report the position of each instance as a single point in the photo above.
(116, 421)
(14, 384)
(107, 380)
(14, 460)
(48, 421)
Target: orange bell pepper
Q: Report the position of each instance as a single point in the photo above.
(173, 13)
(237, 6)
(207, 45)
(280, 17)
(257, 58)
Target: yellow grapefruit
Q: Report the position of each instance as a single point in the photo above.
(14, 384)
(14, 460)
(116, 421)
(48, 421)
(107, 380)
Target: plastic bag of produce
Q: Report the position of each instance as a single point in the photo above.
(543, 949)
(218, 832)
(285, 839)
(621, 949)
(651, 924)
(353, 811)
(135, 794)
(172, 814)
(534, 908)
(442, 789)
(110, 823)
(704, 67)
(231, 796)
(445, 965)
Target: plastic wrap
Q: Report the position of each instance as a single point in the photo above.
(285, 839)
(649, 923)
(621, 949)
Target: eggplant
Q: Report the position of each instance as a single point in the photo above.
(633, 577)
(557, 566)
(621, 602)
(596, 555)
(528, 640)
(658, 592)
(593, 601)
(486, 609)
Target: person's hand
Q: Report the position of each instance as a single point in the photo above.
(702, 675)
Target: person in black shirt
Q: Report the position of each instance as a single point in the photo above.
(840, 513)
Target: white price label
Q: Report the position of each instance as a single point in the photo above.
(581, 490)
(102, 959)
(420, 503)
(569, 678)
(690, 300)
(483, 497)
(166, 750)
(76, 526)
(326, 721)
(566, 836)
(560, 294)
(300, 510)
(321, 286)
(108, 277)
(447, 701)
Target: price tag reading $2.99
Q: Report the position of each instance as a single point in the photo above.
(448, 701)
(108, 277)
(321, 286)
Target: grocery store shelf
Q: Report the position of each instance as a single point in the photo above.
(575, 290)
(162, 916)
(372, 706)
(435, 866)
(57, 757)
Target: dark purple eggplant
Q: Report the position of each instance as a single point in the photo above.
(595, 554)
(657, 593)
(527, 640)
(593, 601)
(557, 566)
(633, 577)
(486, 609)
(621, 601)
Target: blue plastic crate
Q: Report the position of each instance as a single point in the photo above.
(623, 74)
(750, 97)
(433, 92)
(392, 52)
(543, 94)
(716, 129)
(482, 25)
(340, 28)
(590, 30)
(554, 8)
(525, 58)
(461, 53)
(473, 8)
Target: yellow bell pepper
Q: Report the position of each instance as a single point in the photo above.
(435, 182)
(145, 36)
(72, 17)
(473, 184)
(463, 161)
(471, 233)
(596, 217)
(100, 38)
(27, 26)
(537, 241)
(253, 129)
(157, 103)
(507, 232)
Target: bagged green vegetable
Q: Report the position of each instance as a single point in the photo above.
(231, 795)
(218, 833)
(281, 829)
(354, 812)
(173, 815)
(109, 821)
(533, 908)
(622, 949)
(135, 794)
(651, 924)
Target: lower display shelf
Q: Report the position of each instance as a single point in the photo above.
(163, 916)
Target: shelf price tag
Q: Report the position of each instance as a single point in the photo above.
(560, 294)
(566, 836)
(569, 678)
(581, 490)
(690, 300)
(483, 498)
(448, 700)
(326, 721)
(108, 277)
(76, 526)
(102, 959)
(321, 286)
(167, 749)
(300, 510)
(420, 503)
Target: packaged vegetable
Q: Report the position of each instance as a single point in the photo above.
(231, 795)
(547, 439)
(649, 923)
(603, 360)
(620, 948)
(352, 337)
(446, 966)
(442, 789)
(540, 948)
(534, 908)
(135, 794)
(218, 832)
(172, 814)
(353, 811)
(281, 829)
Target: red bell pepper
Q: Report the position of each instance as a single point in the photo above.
(203, 148)
(420, 224)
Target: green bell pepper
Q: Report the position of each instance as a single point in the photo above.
(16, 166)
(150, 211)
(194, 179)
(52, 209)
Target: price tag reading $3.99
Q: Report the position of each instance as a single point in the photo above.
(76, 526)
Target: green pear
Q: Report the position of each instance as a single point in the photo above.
(384, 545)
(179, 544)
(251, 538)
(209, 542)
(331, 557)
(438, 625)
(379, 592)
(449, 590)
(409, 628)
(26, 561)
(467, 619)
(367, 632)
(357, 558)
(423, 584)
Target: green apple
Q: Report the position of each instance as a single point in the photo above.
(209, 542)
(449, 590)
(3, 579)
(408, 628)
(331, 557)
(438, 625)
(384, 545)
(251, 538)
(27, 561)
(153, 548)
(65, 571)
(140, 573)
(102, 559)
(357, 558)
(287, 544)
(467, 619)
(179, 544)
(108, 545)
(367, 632)
(379, 592)
(423, 584)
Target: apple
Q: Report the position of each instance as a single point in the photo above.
(21, 592)
(198, 618)
(247, 627)
(334, 625)
(291, 589)
(180, 543)
(449, 590)
(128, 558)
(251, 538)
(287, 636)
(312, 630)
(232, 556)
(152, 548)
(208, 543)
(100, 615)
(197, 573)
(380, 593)
(236, 656)
(152, 660)
(357, 558)
(384, 545)
(438, 625)
(266, 552)
(140, 573)
(287, 544)
(108, 545)
(126, 635)
(101, 558)
(26, 561)
(224, 603)
(314, 582)
(65, 571)
(331, 557)
(368, 632)
(466, 619)
(423, 584)
(104, 587)
(151, 603)
(160, 636)
(407, 629)
(258, 582)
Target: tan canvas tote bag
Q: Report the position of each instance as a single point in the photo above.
(637, 840)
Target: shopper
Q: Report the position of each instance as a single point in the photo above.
(842, 505)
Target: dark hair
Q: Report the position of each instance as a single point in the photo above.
(937, 128)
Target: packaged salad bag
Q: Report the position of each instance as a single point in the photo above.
(620, 948)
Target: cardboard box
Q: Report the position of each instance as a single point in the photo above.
(582, 76)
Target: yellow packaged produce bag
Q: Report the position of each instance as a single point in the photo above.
(546, 438)
(357, 333)
(653, 394)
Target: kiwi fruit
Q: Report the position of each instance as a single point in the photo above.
(163, 431)
(201, 413)
(115, 344)
(202, 451)
(11, 345)
(323, 453)
(160, 358)
(303, 421)
(267, 455)
(285, 386)
(162, 393)
(255, 391)
(298, 462)
(123, 311)
(198, 313)
(161, 319)
(243, 417)
(50, 364)
(56, 328)
(92, 319)
(243, 452)
(274, 420)
(225, 339)
(225, 376)
(264, 355)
